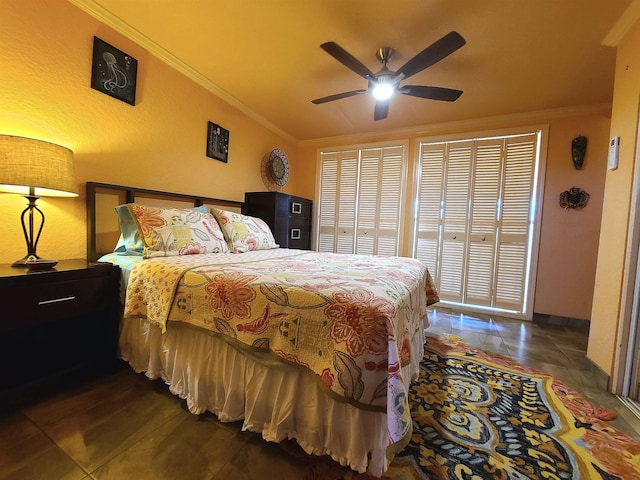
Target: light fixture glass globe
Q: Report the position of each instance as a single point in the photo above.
(382, 91)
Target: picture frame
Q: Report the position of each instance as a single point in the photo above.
(217, 142)
(113, 72)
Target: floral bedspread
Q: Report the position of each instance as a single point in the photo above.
(348, 319)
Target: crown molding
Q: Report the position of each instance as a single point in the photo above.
(103, 15)
(627, 20)
(540, 116)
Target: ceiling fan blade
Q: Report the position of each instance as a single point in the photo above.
(338, 96)
(448, 44)
(381, 111)
(348, 60)
(432, 93)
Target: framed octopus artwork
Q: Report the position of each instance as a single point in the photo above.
(113, 72)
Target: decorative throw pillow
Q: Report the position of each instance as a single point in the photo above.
(131, 242)
(176, 231)
(245, 233)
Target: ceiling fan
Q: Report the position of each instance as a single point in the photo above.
(385, 83)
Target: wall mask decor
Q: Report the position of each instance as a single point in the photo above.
(574, 198)
(578, 151)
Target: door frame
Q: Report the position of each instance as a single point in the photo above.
(629, 316)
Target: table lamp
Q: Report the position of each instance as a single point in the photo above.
(34, 169)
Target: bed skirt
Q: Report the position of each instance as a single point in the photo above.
(277, 400)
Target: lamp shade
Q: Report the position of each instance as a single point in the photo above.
(27, 164)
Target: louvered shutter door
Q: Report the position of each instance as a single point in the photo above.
(515, 222)
(363, 192)
(336, 218)
(347, 187)
(455, 213)
(328, 203)
(431, 184)
(368, 201)
(475, 219)
(380, 201)
(483, 222)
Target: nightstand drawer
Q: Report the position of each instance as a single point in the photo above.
(23, 306)
(56, 326)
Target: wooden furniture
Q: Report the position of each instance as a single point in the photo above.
(57, 325)
(288, 216)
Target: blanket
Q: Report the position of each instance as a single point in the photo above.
(349, 320)
(337, 315)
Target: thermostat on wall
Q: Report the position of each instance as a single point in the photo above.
(614, 153)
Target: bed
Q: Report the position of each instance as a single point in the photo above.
(302, 345)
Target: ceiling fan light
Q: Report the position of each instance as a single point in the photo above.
(382, 91)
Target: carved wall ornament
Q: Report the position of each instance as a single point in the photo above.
(578, 151)
(574, 198)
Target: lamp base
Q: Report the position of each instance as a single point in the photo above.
(23, 261)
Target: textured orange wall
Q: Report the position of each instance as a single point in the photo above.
(569, 238)
(619, 186)
(45, 51)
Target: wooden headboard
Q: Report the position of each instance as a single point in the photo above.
(103, 230)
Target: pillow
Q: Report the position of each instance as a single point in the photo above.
(175, 231)
(129, 249)
(244, 233)
(130, 242)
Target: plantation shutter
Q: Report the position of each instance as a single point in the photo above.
(430, 188)
(515, 222)
(474, 219)
(336, 224)
(361, 198)
(483, 222)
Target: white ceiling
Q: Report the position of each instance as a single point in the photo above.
(265, 55)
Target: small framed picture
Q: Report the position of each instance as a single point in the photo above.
(217, 142)
(113, 72)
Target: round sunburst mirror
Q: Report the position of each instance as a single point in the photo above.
(275, 169)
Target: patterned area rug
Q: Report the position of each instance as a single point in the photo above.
(482, 416)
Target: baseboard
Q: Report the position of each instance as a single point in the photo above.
(560, 321)
(599, 376)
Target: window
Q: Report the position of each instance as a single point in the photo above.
(361, 200)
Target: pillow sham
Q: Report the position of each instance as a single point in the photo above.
(244, 233)
(131, 242)
(175, 231)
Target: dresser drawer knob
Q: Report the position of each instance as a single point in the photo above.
(295, 234)
(296, 207)
(56, 300)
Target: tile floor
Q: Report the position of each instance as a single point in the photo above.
(125, 426)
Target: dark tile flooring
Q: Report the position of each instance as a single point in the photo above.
(125, 426)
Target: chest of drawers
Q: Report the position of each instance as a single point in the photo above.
(288, 216)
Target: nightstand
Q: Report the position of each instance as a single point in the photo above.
(56, 326)
(289, 217)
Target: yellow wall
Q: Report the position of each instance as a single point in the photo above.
(45, 50)
(568, 239)
(606, 314)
